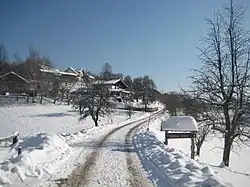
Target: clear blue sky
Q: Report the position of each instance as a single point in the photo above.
(136, 37)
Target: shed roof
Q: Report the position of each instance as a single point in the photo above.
(118, 90)
(180, 123)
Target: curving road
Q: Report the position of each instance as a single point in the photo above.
(112, 162)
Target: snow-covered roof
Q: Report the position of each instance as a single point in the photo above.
(72, 69)
(56, 71)
(107, 82)
(13, 73)
(91, 76)
(111, 81)
(179, 123)
(50, 70)
(67, 73)
(118, 90)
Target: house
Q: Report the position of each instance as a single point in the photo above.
(82, 74)
(14, 83)
(116, 88)
(63, 76)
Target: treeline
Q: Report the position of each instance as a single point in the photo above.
(27, 68)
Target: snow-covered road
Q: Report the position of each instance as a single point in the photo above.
(113, 161)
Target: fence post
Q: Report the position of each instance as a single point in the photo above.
(148, 124)
(166, 138)
(192, 146)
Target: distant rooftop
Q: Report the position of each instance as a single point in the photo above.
(15, 74)
(56, 71)
(110, 82)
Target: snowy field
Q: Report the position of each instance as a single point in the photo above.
(46, 135)
(237, 175)
(29, 120)
(54, 142)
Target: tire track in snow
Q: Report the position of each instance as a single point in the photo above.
(81, 175)
(137, 178)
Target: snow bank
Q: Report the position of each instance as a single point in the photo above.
(179, 169)
(40, 155)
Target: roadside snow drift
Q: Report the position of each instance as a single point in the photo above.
(179, 169)
(39, 153)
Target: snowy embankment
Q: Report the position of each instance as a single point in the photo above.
(238, 174)
(39, 155)
(166, 162)
(47, 134)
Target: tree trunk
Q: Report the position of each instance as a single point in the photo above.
(227, 150)
(41, 99)
(95, 118)
(198, 149)
(68, 99)
(96, 122)
(80, 109)
(192, 148)
(199, 143)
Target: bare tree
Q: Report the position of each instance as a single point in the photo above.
(223, 81)
(143, 87)
(4, 66)
(129, 110)
(96, 101)
(106, 73)
(173, 102)
(3, 53)
(128, 81)
(203, 132)
(197, 109)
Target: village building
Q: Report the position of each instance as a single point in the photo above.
(117, 88)
(13, 83)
